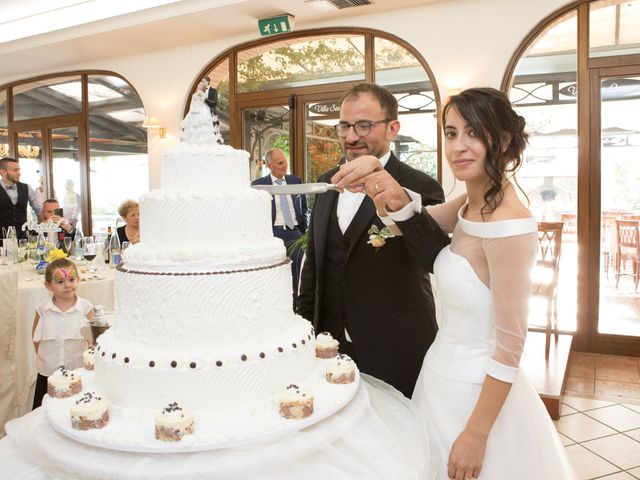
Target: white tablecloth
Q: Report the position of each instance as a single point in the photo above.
(29, 294)
(378, 436)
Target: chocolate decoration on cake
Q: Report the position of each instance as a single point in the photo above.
(303, 341)
(280, 349)
(103, 353)
(192, 364)
(174, 364)
(126, 359)
(243, 358)
(113, 355)
(152, 364)
(262, 355)
(294, 345)
(219, 363)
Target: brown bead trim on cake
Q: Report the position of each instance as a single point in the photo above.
(219, 363)
(121, 268)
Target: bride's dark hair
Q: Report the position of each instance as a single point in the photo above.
(490, 116)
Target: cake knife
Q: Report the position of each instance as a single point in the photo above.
(296, 188)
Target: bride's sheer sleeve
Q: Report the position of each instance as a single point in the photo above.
(510, 261)
(446, 214)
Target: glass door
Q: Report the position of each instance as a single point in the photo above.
(66, 172)
(31, 154)
(322, 149)
(265, 127)
(615, 199)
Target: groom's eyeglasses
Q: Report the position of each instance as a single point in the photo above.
(361, 128)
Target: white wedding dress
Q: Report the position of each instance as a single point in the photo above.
(483, 284)
(200, 122)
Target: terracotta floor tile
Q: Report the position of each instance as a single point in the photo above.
(588, 465)
(617, 416)
(620, 450)
(583, 404)
(579, 385)
(617, 389)
(619, 369)
(582, 365)
(580, 428)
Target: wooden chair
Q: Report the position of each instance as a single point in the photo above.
(628, 249)
(546, 272)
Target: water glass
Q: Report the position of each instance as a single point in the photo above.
(67, 244)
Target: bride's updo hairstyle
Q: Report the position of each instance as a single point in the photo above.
(490, 116)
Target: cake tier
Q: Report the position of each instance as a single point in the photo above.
(241, 373)
(195, 226)
(199, 169)
(178, 312)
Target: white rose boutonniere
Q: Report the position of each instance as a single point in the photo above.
(378, 237)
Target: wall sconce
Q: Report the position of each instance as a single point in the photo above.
(151, 123)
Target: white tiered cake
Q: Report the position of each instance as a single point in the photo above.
(204, 319)
(204, 301)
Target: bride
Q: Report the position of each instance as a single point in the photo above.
(199, 119)
(484, 419)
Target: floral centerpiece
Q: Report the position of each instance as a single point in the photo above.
(54, 254)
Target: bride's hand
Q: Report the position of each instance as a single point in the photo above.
(351, 174)
(467, 455)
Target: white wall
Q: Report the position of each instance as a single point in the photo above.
(466, 43)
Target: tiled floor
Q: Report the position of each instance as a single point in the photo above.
(600, 416)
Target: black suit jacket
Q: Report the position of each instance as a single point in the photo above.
(211, 99)
(388, 299)
(299, 201)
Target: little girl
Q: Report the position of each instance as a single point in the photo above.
(56, 326)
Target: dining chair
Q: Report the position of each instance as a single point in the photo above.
(546, 273)
(628, 249)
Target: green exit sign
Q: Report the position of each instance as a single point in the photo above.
(276, 25)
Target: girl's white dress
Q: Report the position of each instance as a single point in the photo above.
(482, 282)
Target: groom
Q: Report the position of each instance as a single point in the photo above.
(373, 299)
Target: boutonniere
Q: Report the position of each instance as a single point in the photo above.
(378, 237)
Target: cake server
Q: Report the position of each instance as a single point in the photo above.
(296, 188)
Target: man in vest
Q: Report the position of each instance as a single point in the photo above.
(14, 197)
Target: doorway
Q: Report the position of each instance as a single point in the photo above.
(615, 199)
(50, 155)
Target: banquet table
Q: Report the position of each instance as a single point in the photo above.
(379, 435)
(21, 292)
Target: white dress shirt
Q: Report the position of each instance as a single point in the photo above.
(349, 202)
(58, 332)
(279, 221)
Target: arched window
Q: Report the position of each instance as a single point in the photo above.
(576, 80)
(79, 139)
(285, 92)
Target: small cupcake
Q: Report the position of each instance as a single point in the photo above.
(326, 345)
(63, 383)
(90, 411)
(173, 423)
(89, 358)
(341, 370)
(296, 403)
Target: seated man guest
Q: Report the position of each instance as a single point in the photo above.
(49, 208)
(288, 212)
(14, 197)
(129, 210)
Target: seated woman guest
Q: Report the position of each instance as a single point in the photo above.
(129, 210)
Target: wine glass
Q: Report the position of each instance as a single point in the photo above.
(33, 258)
(67, 244)
(90, 252)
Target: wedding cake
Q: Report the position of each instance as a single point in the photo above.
(204, 313)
